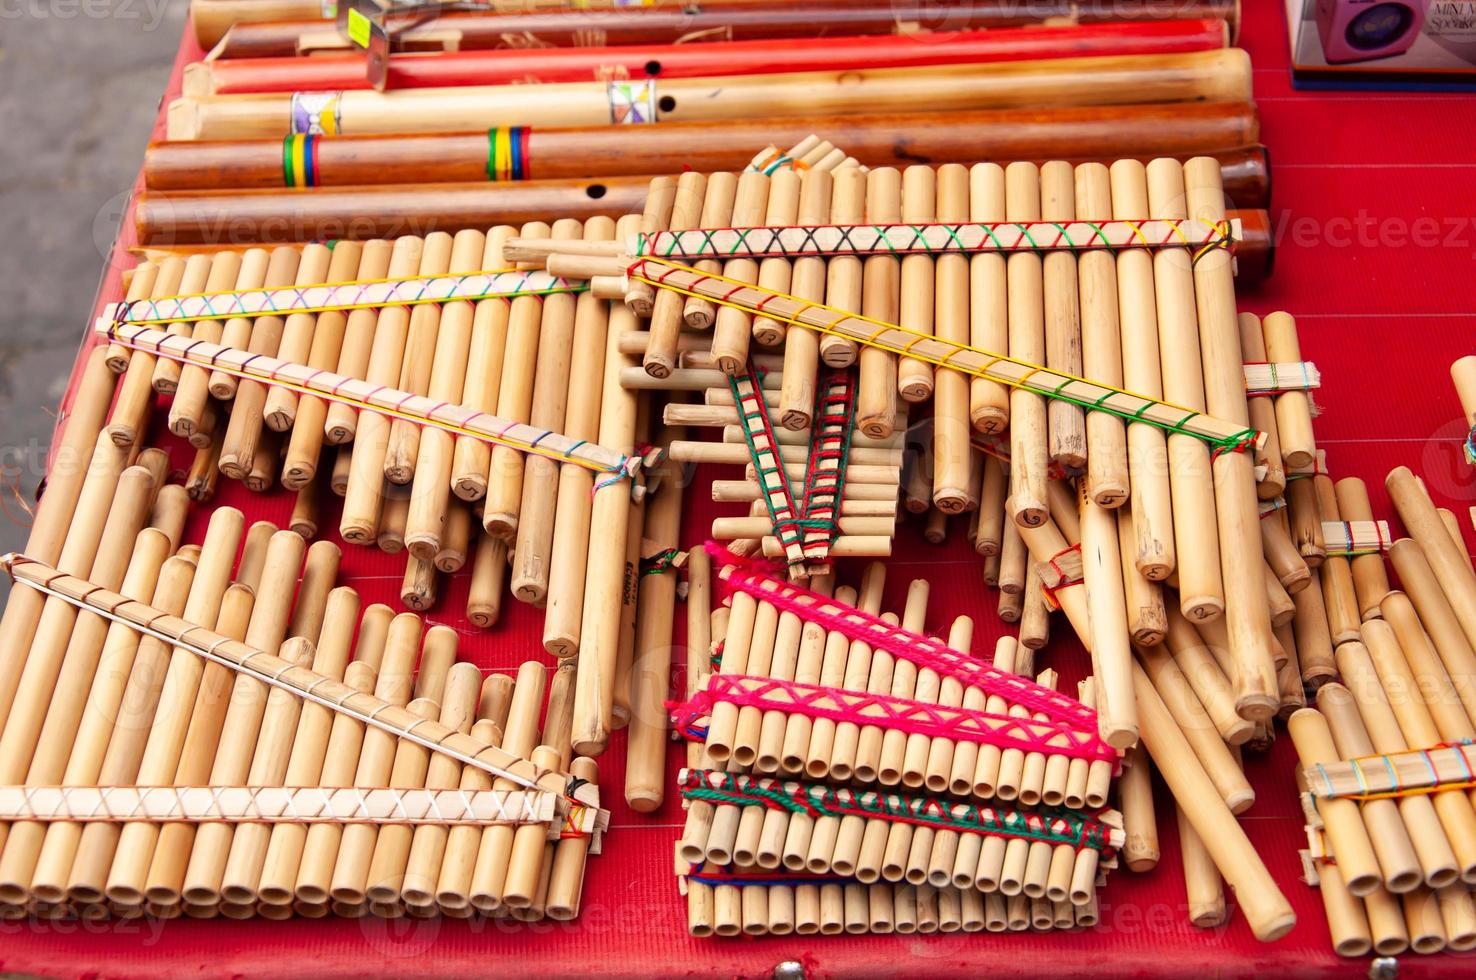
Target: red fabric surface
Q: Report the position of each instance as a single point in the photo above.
(1383, 310)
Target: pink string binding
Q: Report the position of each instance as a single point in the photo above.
(903, 714)
(754, 578)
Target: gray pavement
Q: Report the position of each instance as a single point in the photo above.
(80, 82)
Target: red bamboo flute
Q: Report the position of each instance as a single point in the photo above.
(1102, 132)
(289, 27)
(512, 65)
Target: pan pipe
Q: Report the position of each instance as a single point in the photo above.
(885, 836)
(748, 902)
(277, 791)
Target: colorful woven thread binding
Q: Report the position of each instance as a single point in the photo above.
(933, 238)
(300, 160)
(1447, 766)
(1222, 436)
(1049, 825)
(507, 153)
(355, 295)
(753, 578)
(391, 402)
(804, 529)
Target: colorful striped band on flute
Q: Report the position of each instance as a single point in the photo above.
(632, 101)
(367, 396)
(300, 160)
(1048, 825)
(507, 153)
(316, 114)
(305, 683)
(355, 295)
(275, 804)
(1410, 773)
(904, 714)
(1222, 436)
(936, 238)
(753, 578)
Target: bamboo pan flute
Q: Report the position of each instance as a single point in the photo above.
(509, 66)
(1227, 128)
(155, 718)
(258, 28)
(1221, 75)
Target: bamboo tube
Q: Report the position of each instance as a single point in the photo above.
(1386, 923)
(596, 636)
(536, 512)
(488, 577)
(1272, 482)
(531, 857)
(1197, 544)
(1154, 552)
(717, 212)
(807, 280)
(566, 883)
(135, 391)
(978, 766)
(932, 761)
(425, 524)
(363, 498)
(666, 314)
(1346, 920)
(316, 264)
(1266, 910)
(422, 340)
(241, 439)
(1110, 647)
(645, 767)
(732, 329)
(1437, 617)
(1453, 525)
(916, 302)
(223, 728)
(988, 535)
(418, 588)
(131, 850)
(635, 511)
(907, 682)
(1387, 692)
(782, 209)
(592, 351)
(1338, 593)
(1450, 566)
(515, 394)
(876, 393)
(138, 283)
(482, 386)
(989, 402)
(1285, 561)
(845, 275)
(1147, 613)
(656, 213)
(456, 543)
(1459, 914)
(1314, 642)
(338, 477)
(1135, 793)
(1063, 330)
(491, 861)
(1305, 517)
(1293, 408)
(1027, 341)
(1101, 353)
(1034, 616)
(1235, 487)
(832, 741)
(1214, 756)
(1204, 894)
(953, 488)
(1200, 669)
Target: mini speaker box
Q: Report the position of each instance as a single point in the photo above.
(1363, 30)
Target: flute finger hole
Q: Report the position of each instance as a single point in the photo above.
(667, 103)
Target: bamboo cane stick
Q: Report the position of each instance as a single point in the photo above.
(807, 280)
(717, 212)
(650, 676)
(135, 391)
(1263, 413)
